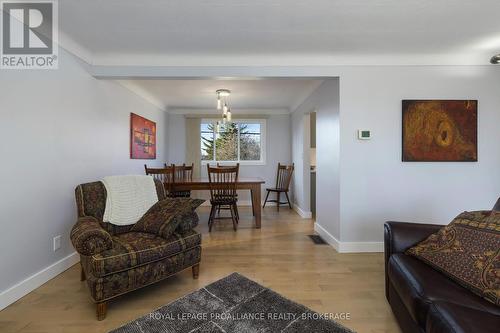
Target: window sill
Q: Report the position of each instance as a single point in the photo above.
(242, 163)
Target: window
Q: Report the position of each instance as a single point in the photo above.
(239, 141)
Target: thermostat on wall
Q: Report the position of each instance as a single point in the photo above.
(364, 134)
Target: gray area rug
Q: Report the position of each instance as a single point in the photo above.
(233, 304)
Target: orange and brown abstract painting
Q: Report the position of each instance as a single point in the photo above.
(440, 130)
(142, 138)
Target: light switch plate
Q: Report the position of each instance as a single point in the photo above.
(57, 243)
(364, 134)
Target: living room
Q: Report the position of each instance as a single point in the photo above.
(405, 102)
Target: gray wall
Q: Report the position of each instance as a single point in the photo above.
(325, 102)
(58, 128)
(375, 185)
(278, 149)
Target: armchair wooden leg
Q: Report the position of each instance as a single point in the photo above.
(196, 271)
(101, 310)
(278, 198)
(82, 273)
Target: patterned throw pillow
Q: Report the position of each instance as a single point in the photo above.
(468, 251)
(189, 220)
(164, 217)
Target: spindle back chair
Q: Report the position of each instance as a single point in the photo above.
(223, 182)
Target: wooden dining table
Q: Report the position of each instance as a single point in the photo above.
(252, 184)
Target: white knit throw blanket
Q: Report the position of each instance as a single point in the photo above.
(128, 198)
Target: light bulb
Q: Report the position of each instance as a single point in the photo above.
(228, 116)
(224, 109)
(219, 103)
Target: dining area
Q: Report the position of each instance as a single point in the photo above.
(223, 183)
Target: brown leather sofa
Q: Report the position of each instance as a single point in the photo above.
(425, 300)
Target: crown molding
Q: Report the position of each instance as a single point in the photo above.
(307, 59)
(76, 49)
(236, 112)
(141, 92)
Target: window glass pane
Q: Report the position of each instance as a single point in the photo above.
(207, 142)
(226, 143)
(250, 142)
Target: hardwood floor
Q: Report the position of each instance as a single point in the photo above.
(279, 256)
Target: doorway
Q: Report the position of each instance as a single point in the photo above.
(312, 162)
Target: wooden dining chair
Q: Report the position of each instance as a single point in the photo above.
(283, 179)
(235, 207)
(223, 192)
(182, 173)
(165, 175)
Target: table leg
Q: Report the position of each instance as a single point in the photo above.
(255, 190)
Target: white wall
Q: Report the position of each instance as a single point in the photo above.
(375, 185)
(58, 129)
(325, 101)
(277, 150)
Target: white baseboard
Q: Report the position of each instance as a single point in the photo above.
(359, 247)
(348, 247)
(29, 284)
(327, 237)
(304, 214)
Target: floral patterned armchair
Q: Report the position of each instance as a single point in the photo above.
(118, 259)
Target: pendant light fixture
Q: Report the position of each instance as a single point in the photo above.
(222, 96)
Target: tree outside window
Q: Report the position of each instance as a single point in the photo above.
(233, 142)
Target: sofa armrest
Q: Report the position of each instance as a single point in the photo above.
(400, 236)
(89, 238)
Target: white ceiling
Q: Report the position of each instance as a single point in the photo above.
(306, 32)
(267, 95)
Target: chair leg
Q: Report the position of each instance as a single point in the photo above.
(233, 217)
(82, 273)
(210, 215)
(237, 213)
(278, 198)
(211, 218)
(288, 199)
(265, 201)
(101, 309)
(196, 271)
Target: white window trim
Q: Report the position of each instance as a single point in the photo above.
(263, 141)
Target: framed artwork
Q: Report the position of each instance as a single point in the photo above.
(439, 130)
(142, 138)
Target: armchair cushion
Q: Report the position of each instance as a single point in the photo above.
(89, 238)
(135, 249)
(166, 215)
(467, 251)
